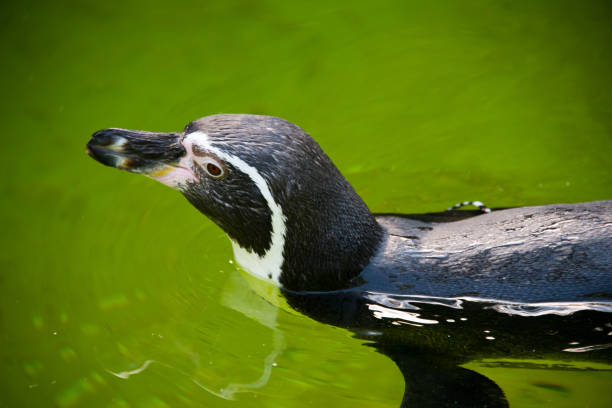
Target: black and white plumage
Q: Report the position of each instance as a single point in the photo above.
(294, 220)
(478, 204)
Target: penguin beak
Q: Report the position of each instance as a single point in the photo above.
(157, 155)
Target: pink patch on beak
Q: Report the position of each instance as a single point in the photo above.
(175, 176)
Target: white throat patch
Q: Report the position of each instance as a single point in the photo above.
(268, 266)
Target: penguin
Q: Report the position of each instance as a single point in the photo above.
(431, 291)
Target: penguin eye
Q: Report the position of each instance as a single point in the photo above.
(213, 168)
(208, 162)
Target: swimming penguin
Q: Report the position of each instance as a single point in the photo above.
(431, 291)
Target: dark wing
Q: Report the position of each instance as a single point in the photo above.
(438, 217)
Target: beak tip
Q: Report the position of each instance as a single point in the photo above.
(106, 137)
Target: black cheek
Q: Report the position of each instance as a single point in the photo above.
(236, 205)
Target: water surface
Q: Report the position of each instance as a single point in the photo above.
(115, 292)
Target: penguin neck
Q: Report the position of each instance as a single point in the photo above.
(329, 239)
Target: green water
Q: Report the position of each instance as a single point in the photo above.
(420, 104)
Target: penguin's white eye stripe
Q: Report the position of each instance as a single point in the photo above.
(266, 267)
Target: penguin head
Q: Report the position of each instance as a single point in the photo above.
(291, 216)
